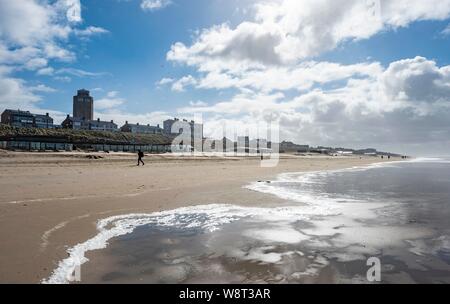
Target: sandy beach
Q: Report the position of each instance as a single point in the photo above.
(52, 201)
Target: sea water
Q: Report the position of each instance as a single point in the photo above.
(397, 212)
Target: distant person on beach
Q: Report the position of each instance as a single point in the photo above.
(140, 156)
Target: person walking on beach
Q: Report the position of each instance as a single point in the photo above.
(140, 156)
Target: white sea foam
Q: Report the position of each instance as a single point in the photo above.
(301, 195)
(208, 218)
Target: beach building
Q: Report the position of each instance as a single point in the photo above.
(72, 123)
(83, 105)
(98, 125)
(43, 121)
(25, 119)
(141, 129)
(93, 125)
(83, 115)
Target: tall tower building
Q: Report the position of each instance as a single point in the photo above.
(83, 105)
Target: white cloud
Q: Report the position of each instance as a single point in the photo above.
(298, 77)
(110, 101)
(269, 61)
(180, 84)
(446, 31)
(33, 32)
(79, 72)
(284, 32)
(30, 22)
(63, 78)
(53, 51)
(36, 63)
(42, 88)
(417, 80)
(198, 103)
(90, 31)
(397, 106)
(400, 13)
(17, 56)
(153, 5)
(165, 81)
(112, 94)
(46, 71)
(14, 92)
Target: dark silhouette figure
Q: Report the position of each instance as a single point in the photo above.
(140, 156)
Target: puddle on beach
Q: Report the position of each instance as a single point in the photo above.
(243, 253)
(155, 255)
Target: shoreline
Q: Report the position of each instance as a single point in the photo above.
(46, 223)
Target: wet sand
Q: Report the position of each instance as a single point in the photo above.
(52, 201)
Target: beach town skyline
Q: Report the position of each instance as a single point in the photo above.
(82, 118)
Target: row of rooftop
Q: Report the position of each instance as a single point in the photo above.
(26, 119)
(82, 119)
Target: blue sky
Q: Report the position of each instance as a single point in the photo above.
(133, 55)
(333, 75)
(131, 58)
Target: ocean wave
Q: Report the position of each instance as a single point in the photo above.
(303, 183)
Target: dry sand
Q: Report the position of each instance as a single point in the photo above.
(52, 201)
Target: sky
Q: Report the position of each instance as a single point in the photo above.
(345, 73)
